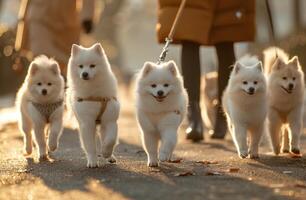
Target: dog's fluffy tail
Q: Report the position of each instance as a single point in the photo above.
(270, 55)
(248, 60)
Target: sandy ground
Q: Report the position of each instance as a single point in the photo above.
(221, 175)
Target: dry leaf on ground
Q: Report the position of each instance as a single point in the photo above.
(233, 170)
(177, 160)
(207, 162)
(300, 185)
(211, 173)
(188, 173)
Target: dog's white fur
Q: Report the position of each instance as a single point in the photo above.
(100, 82)
(159, 117)
(246, 110)
(285, 103)
(42, 71)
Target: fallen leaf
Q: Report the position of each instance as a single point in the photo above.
(188, 173)
(300, 185)
(212, 173)
(233, 170)
(177, 160)
(207, 162)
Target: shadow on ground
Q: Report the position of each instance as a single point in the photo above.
(130, 178)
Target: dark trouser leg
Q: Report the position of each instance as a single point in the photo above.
(191, 69)
(226, 57)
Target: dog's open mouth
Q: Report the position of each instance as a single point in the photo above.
(85, 78)
(286, 90)
(249, 92)
(159, 98)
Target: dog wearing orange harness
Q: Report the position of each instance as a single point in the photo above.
(92, 97)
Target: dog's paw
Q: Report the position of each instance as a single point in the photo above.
(111, 159)
(92, 163)
(152, 164)
(295, 150)
(285, 151)
(254, 156)
(27, 151)
(52, 146)
(163, 157)
(243, 154)
(43, 158)
(276, 151)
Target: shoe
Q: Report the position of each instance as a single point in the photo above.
(195, 128)
(220, 128)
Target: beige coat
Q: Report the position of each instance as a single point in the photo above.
(52, 26)
(208, 22)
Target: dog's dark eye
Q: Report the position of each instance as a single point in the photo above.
(153, 85)
(293, 78)
(284, 78)
(92, 66)
(81, 66)
(49, 84)
(39, 83)
(255, 82)
(245, 82)
(166, 85)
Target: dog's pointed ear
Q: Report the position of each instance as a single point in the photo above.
(278, 64)
(55, 68)
(98, 48)
(294, 62)
(75, 49)
(259, 66)
(237, 67)
(172, 67)
(33, 68)
(147, 67)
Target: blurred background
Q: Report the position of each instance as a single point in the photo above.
(126, 29)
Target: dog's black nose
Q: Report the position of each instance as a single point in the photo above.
(85, 75)
(160, 93)
(291, 86)
(44, 92)
(251, 90)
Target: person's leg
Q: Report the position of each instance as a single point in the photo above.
(226, 58)
(191, 69)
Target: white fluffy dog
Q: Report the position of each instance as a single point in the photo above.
(286, 97)
(40, 101)
(92, 96)
(161, 106)
(245, 105)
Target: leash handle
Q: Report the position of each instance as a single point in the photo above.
(169, 39)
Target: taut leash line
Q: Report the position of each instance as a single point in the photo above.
(169, 39)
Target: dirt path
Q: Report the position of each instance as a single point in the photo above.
(67, 178)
